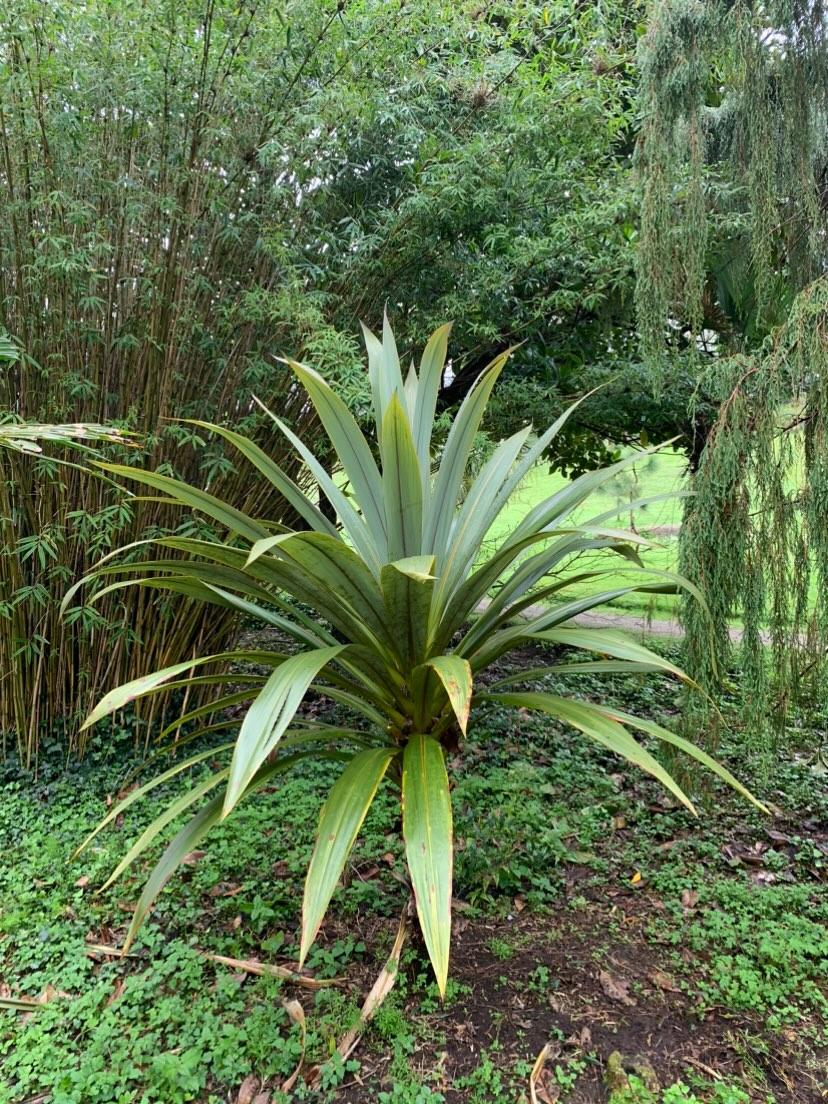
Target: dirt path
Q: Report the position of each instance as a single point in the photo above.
(629, 622)
(634, 623)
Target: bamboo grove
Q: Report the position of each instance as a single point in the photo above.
(134, 280)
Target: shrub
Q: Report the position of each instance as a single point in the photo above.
(410, 613)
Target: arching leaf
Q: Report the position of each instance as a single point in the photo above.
(339, 824)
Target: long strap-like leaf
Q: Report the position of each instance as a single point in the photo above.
(428, 388)
(427, 829)
(407, 589)
(339, 823)
(476, 516)
(362, 536)
(349, 443)
(444, 498)
(599, 726)
(454, 674)
(191, 835)
(121, 806)
(119, 697)
(402, 484)
(271, 470)
(185, 495)
(269, 716)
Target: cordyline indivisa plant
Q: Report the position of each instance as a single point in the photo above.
(411, 609)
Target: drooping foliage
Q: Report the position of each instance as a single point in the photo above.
(408, 612)
(733, 160)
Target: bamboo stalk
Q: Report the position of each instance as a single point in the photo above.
(120, 280)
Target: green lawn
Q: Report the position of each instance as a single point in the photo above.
(662, 474)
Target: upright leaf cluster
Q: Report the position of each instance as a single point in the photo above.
(409, 613)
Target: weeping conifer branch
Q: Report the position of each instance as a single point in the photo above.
(733, 168)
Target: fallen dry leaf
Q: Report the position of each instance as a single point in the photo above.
(248, 1089)
(116, 992)
(689, 898)
(382, 986)
(664, 981)
(268, 969)
(616, 989)
(50, 993)
(224, 889)
(83, 881)
(297, 1015)
(762, 877)
(543, 1089)
(192, 857)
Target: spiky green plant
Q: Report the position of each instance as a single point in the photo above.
(411, 611)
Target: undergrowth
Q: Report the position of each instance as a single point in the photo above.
(743, 915)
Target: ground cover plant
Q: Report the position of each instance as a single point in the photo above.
(406, 624)
(700, 964)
